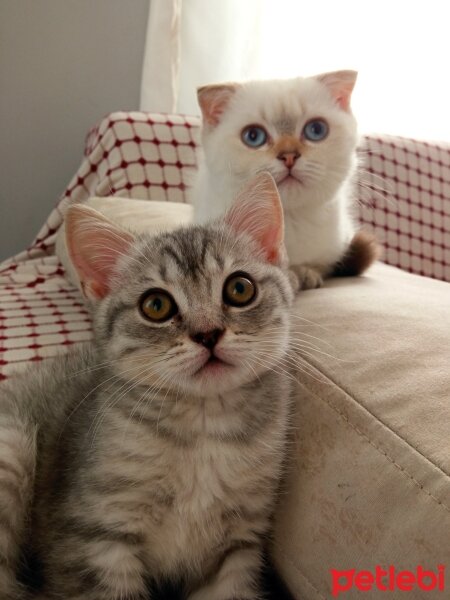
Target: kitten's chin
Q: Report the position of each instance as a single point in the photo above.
(213, 367)
(289, 182)
(215, 376)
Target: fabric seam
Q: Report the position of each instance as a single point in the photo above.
(368, 440)
(302, 575)
(385, 425)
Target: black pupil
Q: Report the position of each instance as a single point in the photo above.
(157, 304)
(317, 128)
(239, 288)
(253, 134)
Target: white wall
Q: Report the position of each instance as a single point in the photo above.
(63, 65)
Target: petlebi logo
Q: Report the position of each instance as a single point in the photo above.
(387, 580)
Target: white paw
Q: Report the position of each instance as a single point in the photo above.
(308, 278)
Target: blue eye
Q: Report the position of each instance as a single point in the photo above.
(254, 136)
(315, 130)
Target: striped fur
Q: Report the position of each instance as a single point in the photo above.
(121, 469)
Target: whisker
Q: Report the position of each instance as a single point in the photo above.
(115, 376)
(312, 323)
(111, 402)
(289, 361)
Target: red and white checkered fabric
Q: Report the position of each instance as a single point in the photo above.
(134, 155)
(404, 193)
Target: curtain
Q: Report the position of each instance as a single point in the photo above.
(401, 50)
(161, 65)
(194, 42)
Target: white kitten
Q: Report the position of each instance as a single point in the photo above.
(303, 132)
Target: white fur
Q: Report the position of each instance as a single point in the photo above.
(318, 217)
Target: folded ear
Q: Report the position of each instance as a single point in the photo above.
(95, 246)
(340, 84)
(213, 100)
(257, 211)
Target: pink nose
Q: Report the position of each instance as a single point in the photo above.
(289, 158)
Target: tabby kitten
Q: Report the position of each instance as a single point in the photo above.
(303, 132)
(153, 455)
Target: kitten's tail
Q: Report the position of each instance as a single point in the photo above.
(361, 253)
(17, 468)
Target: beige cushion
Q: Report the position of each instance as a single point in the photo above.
(141, 216)
(369, 481)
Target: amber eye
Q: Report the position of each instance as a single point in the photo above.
(239, 290)
(157, 305)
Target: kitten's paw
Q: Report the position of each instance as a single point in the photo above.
(307, 277)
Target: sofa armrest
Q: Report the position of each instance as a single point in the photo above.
(369, 479)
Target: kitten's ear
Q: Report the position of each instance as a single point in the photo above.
(257, 211)
(340, 84)
(213, 100)
(95, 245)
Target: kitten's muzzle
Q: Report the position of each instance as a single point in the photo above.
(289, 158)
(208, 339)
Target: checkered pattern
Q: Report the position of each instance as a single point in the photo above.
(404, 193)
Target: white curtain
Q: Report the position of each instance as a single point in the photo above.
(401, 49)
(161, 65)
(194, 42)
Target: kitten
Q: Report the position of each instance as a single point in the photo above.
(302, 131)
(160, 445)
